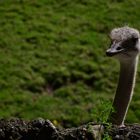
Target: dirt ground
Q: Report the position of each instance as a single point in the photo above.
(40, 129)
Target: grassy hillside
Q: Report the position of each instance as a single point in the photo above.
(52, 58)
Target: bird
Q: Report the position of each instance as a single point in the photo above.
(125, 47)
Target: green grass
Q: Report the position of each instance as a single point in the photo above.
(52, 58)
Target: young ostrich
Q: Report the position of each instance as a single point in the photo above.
(125, 47)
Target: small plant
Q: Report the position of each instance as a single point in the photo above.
(103, 110)
(102, 116)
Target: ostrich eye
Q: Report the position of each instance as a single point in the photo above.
(119, 48)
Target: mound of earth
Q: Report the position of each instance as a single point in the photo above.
(40, 129)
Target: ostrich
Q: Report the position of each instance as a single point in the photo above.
(125, 47)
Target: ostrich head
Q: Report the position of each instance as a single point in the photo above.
(125, 43)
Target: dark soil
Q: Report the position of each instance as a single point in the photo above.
(40, 129)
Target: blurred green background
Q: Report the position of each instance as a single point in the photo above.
(52, 59)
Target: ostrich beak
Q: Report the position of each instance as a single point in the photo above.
(114, 49)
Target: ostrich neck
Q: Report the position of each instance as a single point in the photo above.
(124, 91)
